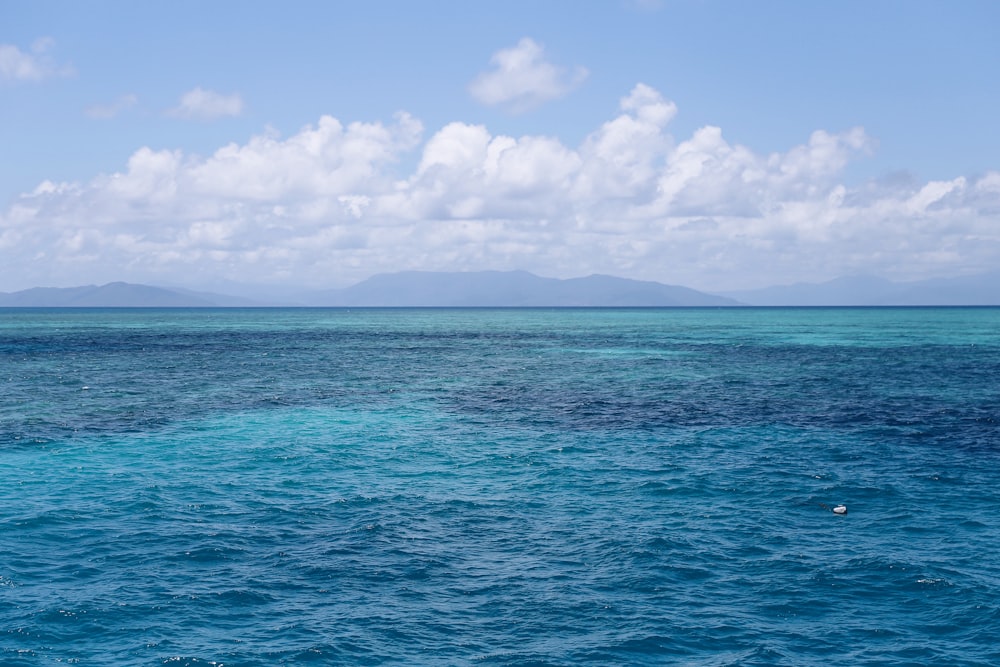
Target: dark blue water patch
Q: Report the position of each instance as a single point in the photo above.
(952, 401)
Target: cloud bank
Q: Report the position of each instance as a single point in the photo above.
(332, 204)
(522, 79)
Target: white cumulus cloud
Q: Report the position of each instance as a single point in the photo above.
(202, 104)
(336, 202)
(521, 78)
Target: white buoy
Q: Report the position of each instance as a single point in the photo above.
(840, 509)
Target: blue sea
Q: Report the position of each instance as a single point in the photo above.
(500, 487)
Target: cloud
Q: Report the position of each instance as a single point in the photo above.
(201, 104)
(334, 203)
(522, 79)
(107, 111)
(36, 65)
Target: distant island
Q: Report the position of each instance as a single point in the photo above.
(521, 289)
(512, 289)
(116, 295)
(405, 289)
(977, 290)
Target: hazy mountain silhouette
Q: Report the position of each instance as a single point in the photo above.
(978, 290)
(407, 289)
(116, 295)
(523, 289)
(513, 289)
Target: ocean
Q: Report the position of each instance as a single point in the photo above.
(500, 486)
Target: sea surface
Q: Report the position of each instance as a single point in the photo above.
(500, 487)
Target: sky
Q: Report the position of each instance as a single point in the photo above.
(717, 145)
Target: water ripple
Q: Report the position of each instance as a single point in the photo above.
(500, 487)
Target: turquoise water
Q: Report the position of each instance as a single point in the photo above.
(500, 487)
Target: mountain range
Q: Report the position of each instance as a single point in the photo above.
(117, 295)
(523, 289)
(512, 288)
(405, 289)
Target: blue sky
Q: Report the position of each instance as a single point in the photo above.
(713, 144)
